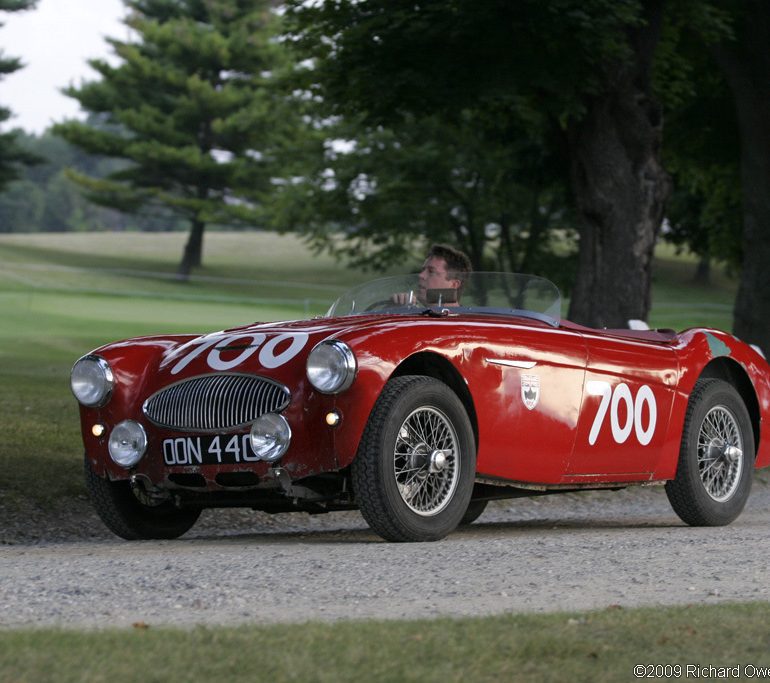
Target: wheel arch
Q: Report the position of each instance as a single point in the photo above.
(434, 365)
(733, 373)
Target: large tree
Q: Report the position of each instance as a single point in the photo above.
(619, 182)
(188, 108)
(585, 64)
(12, 155)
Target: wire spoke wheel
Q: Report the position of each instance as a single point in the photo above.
(425, 462)
(414, 472)
(720, 448)
(714, 472)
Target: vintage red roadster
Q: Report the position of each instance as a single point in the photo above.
(418, 413)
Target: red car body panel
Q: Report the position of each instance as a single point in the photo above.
(550, 405)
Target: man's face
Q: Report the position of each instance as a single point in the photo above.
(434, 276)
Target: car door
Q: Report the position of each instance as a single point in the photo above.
(627, 398)
(527, 388)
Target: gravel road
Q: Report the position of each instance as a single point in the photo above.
(566, 552)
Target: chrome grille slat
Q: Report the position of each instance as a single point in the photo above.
(212, 403)
(237, 399)
(243, 396)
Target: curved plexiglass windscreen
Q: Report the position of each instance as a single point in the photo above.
(490, 293)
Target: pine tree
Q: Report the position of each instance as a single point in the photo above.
(188, 108)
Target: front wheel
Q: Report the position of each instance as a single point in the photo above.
(715, 468)
(414, 471)
(126, 516)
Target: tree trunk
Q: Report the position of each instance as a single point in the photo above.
(703, 271)
(193, 250)
(746, 66)
(620, 189)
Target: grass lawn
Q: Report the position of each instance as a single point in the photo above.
(591, 647)
(679, 302)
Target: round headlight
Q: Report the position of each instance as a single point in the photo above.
(91, 381)
(128, 443)
(270, 436)
(331, 367)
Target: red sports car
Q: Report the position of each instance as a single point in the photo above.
(418, 413)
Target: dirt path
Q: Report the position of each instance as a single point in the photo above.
(569, 552)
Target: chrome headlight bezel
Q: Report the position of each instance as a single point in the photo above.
(127, 443)
(331, 366)
(91, 381)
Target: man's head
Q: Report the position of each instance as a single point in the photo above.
(444, 268)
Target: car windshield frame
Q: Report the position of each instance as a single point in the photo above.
(482, 293)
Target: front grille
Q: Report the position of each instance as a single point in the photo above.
(214, 403)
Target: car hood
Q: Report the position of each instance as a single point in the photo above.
(278, 350)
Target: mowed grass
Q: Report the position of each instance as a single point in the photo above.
(679, 302)
(594, 646)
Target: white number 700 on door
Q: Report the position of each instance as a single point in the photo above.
(611, 400)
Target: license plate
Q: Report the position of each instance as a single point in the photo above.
(208, 450)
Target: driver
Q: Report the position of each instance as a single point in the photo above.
(445, 268)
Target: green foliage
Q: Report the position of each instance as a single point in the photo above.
(377, 195)
(387, 57)
(702, 146)
(44, 199)
(13, 157)
(22, 205)
(481, 167)
(10, 64)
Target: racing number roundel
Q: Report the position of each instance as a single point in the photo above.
(631, 418)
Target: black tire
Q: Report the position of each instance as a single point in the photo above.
(475, 510)
(414, 471)
(126, 516)
(712, 483)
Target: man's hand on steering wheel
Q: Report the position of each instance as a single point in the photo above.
(404, 298)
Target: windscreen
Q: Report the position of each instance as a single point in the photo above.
(491, 293)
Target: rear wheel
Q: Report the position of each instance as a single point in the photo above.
(715, 468)
(128, 517)
(414, 471)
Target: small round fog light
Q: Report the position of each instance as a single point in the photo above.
(128, 442)
(270, 436)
